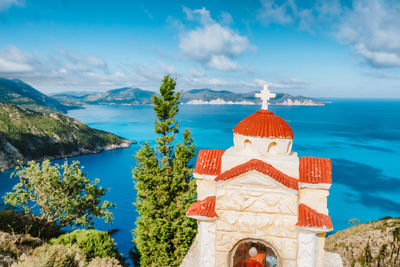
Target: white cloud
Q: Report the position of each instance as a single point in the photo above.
(371, 28)
(221, 62)
(272, 12)
(305, 18)
(77, 62)
(120, 74)
(197, 73)
(65, 70)
(211, 43)
(6, 4)
(187, 82)
(213, 39)
(225, 18)
(202, 15)
(380, 74)
(62, 69)
(95, 61)
(168, 69)
(288, 83)
(14, 60)
(10, 66)
(293, 81)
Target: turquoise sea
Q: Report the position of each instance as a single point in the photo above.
(362, 137)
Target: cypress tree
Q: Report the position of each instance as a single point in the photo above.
(165, 187)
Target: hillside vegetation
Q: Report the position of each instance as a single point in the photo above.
(29, 135)
(122, 96)
(375, 243)
(26, 241)
(19, 93)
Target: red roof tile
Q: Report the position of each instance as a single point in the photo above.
(209, 162)
(262, 167)
(264, 123)
(315, 170)
(204, 208)
(310, 218)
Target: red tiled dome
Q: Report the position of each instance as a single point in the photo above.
(264, 123)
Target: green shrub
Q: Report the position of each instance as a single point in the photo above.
(15, 245)
(92, 242)
(21, 223)
(53, 256)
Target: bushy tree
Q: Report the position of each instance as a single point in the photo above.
(92, 242)
(165, 187)
(60, 194)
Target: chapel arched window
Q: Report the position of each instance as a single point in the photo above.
(253, 253)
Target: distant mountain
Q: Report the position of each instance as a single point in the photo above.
(29, 135)
(19, 93)
(136, 96)
(121, 96)
(208, 96)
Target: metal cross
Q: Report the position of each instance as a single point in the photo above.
(265, 95)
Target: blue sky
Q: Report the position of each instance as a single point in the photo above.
(313, 48)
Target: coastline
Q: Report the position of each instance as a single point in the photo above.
(125, 144)
(223, 102)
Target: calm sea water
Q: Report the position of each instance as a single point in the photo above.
(361, 137)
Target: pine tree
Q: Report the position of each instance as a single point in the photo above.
(165, 187)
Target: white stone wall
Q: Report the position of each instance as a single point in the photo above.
(307, 247)
(315, 198)
(262, 145)
(257, 207)
(205, 188)
(207, 243)
(320, 249)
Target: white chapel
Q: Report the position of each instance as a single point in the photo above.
(259, 204)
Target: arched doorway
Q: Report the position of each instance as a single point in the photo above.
(254, 253)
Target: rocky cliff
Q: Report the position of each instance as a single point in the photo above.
(375, 243)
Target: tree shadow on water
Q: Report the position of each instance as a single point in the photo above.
(367, 182)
